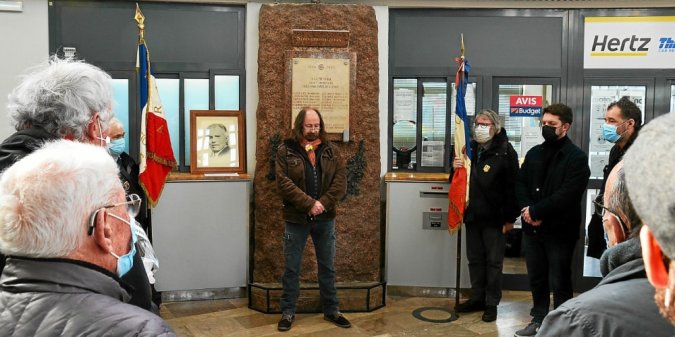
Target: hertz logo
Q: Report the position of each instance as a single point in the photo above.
(630, 46)
(667, 45)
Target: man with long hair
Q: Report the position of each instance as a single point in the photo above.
(311, 179)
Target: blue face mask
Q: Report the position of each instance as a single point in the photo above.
(126, 261)
(609, 133)
(116, 147)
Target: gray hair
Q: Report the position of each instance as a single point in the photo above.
(62, 96)
(618, 200)
(47, 197)
(650, 168)
(493, 117)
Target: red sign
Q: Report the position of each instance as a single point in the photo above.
(526, 101)
(525, 106)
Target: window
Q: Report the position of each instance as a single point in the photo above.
(523, 132)
(601, 97)
(425, 146)
(121, 106)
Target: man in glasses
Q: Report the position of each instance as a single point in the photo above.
(311, 179)
(623, 120)
(65, 99)
(595, 312)
(66, 227)
(650, 168)
(549, 188)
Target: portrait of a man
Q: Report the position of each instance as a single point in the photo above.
(216, 142)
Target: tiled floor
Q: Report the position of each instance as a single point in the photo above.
(233, 318)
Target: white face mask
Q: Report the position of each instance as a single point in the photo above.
(482, 133)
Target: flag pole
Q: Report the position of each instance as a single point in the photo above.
(458, 267)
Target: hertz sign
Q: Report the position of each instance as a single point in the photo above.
(631, 42)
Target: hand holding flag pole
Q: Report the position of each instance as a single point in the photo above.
(156, 154)
(459, 186)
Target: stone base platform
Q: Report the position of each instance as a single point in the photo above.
(353, 297)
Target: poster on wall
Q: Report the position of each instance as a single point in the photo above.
(629, 42)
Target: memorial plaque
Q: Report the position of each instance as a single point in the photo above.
(322, 80)
(320, 38)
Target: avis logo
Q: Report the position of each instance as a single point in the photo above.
(666, 44)
(629, 44)
(526, 100)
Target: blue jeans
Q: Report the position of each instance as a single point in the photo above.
(549, 262)
(295, 237)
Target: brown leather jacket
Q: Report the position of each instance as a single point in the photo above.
(290, 172)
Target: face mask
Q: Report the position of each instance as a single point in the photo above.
(482, 133)
(116, 147)
(548, 132)
(609, 133)
(126, 261)
(106, 140)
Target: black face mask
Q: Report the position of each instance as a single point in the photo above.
(548, 132)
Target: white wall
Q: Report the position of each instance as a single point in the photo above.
(24, 42)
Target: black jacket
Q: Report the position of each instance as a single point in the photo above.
(622, 304)
(129, 176)
(22, 143)
(554, 191)
(59, 297)
(492, 194)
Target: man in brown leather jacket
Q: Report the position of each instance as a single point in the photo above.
(311, 178)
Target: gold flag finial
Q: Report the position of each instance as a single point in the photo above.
(140, 19)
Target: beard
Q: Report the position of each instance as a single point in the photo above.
(310, 136)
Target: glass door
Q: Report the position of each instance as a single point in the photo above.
(519, 102)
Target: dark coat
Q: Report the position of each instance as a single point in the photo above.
(291, 181)
(59, 297)
(596, 233)
(129, 176)
(554, 193)
(492, 190)
(622, 304)
(22, 143)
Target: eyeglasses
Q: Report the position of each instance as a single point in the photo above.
(602, 210)
(133, 204)
(483, 124)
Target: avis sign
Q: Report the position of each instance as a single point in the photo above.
(525, 106)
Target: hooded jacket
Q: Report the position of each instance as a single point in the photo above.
(61, 297)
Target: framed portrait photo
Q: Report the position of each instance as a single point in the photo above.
(217, 141)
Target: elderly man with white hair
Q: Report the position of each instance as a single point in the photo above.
(65, 225)
(65, 99)
(650, 177)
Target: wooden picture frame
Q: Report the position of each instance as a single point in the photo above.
(217, 141)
